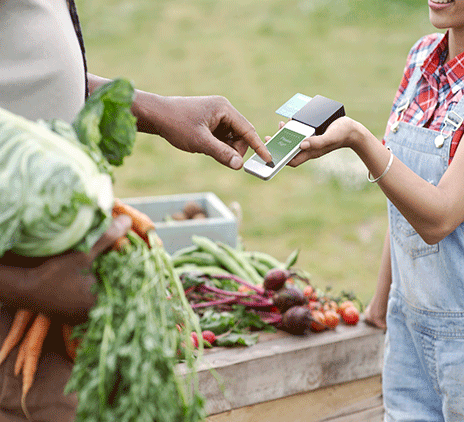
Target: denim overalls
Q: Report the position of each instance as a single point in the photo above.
(423, 376)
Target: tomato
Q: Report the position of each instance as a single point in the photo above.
(314, 305)
(344, 305)
(350, 315)
(330, 305)
(318, 323)
(308, 291)
(331, 318)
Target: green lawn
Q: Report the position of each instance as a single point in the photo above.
(258, 54)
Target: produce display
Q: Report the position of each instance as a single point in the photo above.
(153, 310)
(238, 293)
(57, 185)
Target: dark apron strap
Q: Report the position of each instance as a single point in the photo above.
(77, 28)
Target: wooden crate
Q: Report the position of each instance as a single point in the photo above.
(242, 384)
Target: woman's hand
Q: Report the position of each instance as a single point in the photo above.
(342, 133)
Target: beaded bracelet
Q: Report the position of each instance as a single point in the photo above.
(390, 161)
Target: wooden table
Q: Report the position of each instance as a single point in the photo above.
(326, 376)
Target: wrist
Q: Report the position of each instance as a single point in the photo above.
(150, 111)
(358, 136)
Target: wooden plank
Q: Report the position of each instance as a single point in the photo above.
(355, 401)
(368, 410)
(285, 365)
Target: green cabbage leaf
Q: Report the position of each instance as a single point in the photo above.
(55, 181)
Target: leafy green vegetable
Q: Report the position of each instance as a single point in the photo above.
(217, 322)
(234, 328)
(53, 193)
(125, 367)
(55, 184)
(105, 124)
(237, 339)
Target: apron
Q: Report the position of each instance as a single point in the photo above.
(423, 377)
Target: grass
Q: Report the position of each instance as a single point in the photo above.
(258, 54)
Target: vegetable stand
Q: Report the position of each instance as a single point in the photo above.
(330, 376)
(281, 371)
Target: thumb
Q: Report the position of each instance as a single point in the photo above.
(118, 228)
(223, 153)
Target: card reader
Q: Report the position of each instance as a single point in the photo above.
(319, 113)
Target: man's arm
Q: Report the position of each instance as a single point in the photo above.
(56, 286)
(208, 125)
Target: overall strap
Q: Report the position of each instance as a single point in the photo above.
(410, 90)
(77, 28)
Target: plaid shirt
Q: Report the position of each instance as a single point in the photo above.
(440, 87)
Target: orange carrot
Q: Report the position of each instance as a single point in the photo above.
(21, 354)
(141, 223)
(17, 329)
(35, 340)
(120, 243)
(71, 344)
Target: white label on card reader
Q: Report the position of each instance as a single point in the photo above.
(294, 104)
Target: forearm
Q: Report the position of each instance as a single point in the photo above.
(13, 285)
(431, 210)
(29, 289)
(142, 107)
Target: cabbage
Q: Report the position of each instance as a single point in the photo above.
(56, 190)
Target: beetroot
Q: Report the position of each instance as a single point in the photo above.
(297, 320)
(275, 279)
(288, 297)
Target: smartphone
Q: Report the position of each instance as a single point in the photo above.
(283, 146)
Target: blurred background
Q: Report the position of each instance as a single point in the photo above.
(259, 54)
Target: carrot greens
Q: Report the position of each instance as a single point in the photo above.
(125, 365)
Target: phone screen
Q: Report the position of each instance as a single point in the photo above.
(281, 145)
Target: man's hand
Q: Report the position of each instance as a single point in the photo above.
(209, 125)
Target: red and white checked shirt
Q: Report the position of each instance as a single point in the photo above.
(440, 87)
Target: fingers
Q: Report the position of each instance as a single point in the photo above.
(244, 130)
(223, 152)
(313, 147)
(118, 228)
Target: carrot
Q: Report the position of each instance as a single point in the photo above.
(21, 354)
(71, 344)
(17, 329)
(120, 243)
(141, 223)
(35, 340)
